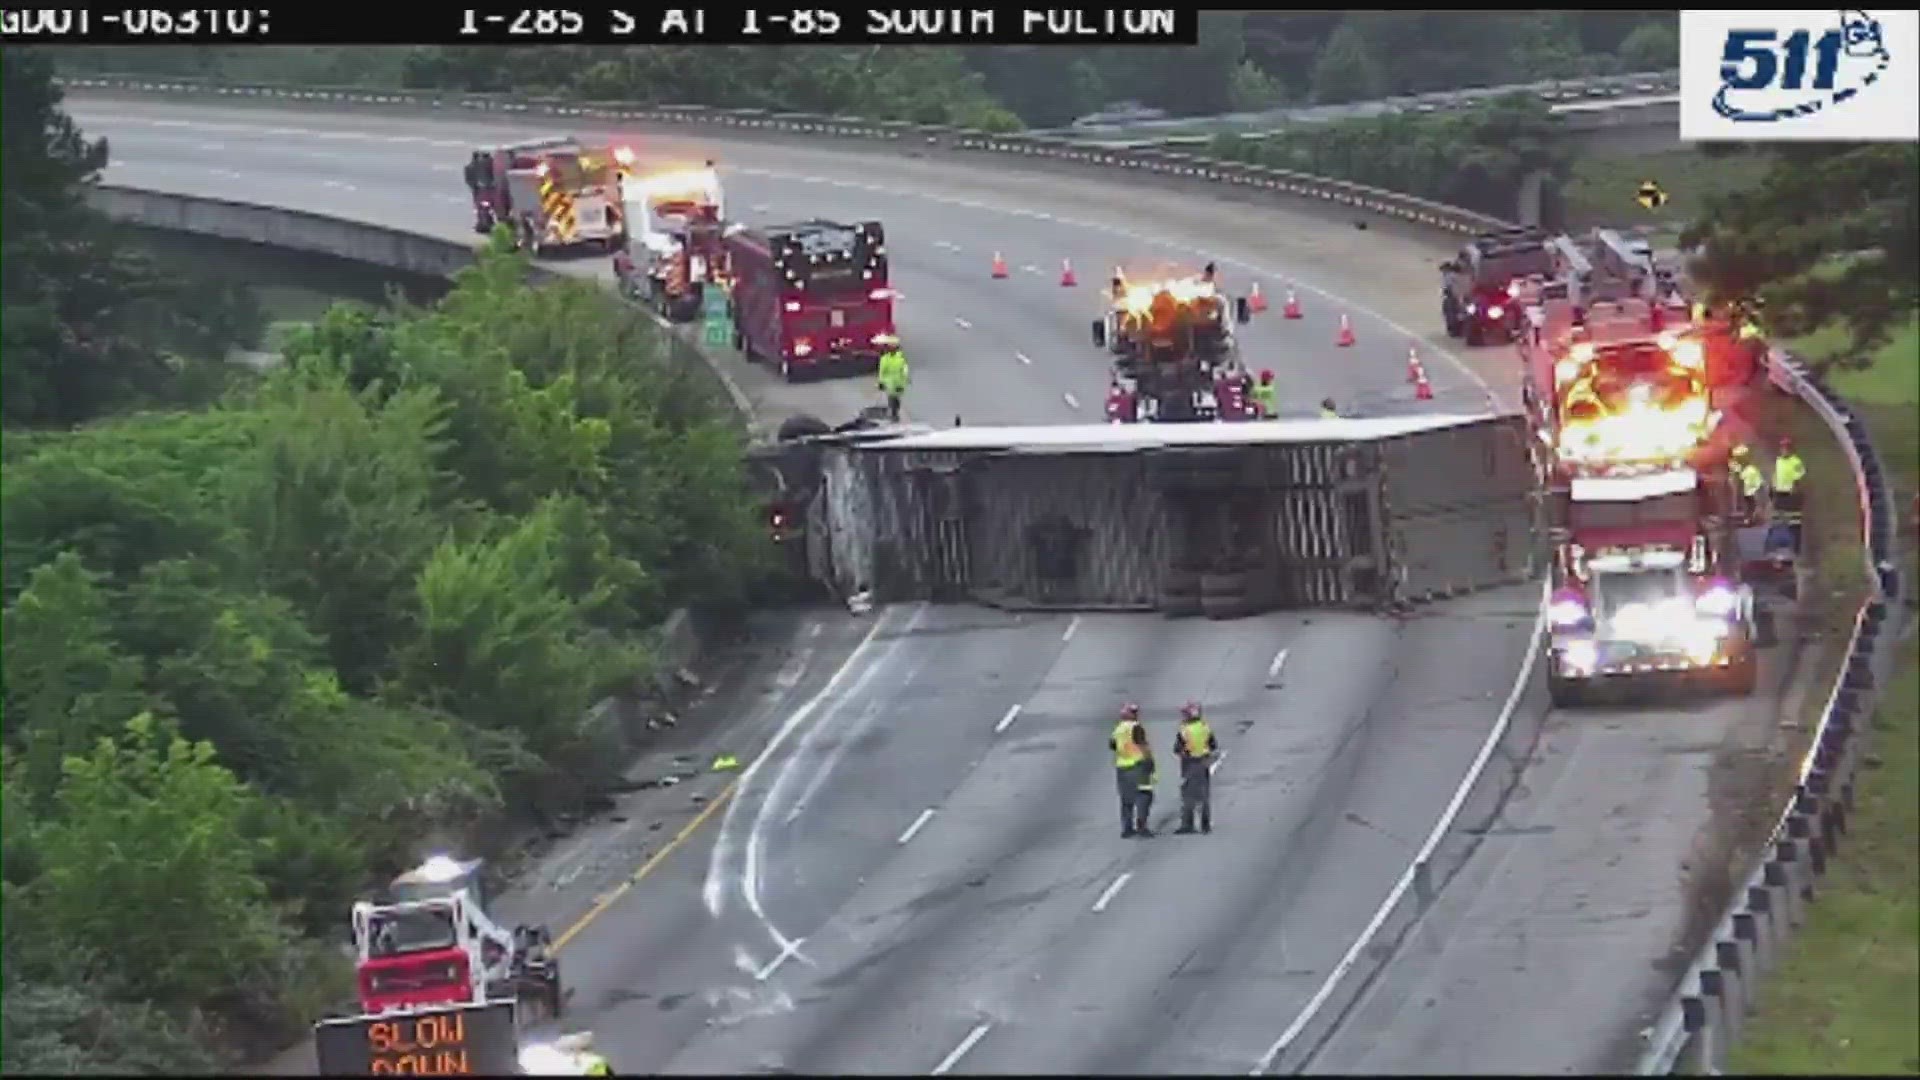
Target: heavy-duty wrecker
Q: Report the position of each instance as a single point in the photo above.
(677, 246)
(1170, 336)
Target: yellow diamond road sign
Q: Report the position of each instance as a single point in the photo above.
(1650, 196)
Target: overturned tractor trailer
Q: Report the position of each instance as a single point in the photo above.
(1222, 520)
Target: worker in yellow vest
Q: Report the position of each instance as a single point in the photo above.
(1266, 397)
(893, 377)
(1327, 411)
(1133, 765)
(1198, 750)
(1751, 480)
(1788, 471)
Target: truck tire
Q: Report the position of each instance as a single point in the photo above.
(1178, 581)
(802, 426)
(1743, 676)
(1225, 582)
(1474, 337)
(1565, 693)
(1222, 606)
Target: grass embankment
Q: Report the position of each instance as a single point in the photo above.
(1600, 190)
(1846, 993)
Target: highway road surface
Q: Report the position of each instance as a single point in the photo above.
(921, 870)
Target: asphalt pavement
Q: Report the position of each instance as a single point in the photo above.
(921, 870)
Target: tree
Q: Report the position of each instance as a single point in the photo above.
(86, 325)
(1251, 90)
(1653, 46)
(146, 859)
(1829, 237)
(1346, 70)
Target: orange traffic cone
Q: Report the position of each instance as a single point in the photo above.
(1345, 338)
(999, 266)
(1292, 310)
(1414, 373)
(1067, 280)
(1422, 389)
(1256, 303)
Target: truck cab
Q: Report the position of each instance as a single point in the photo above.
(1648, 589)
(677, 227)
(1479, 286)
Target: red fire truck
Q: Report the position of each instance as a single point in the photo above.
(812, 297)
(1613, 385)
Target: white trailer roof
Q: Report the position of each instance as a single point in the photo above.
(1124, 438)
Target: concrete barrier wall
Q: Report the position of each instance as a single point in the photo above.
(1711, 1000)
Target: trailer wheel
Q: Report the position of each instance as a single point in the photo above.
(1226, 605)
(801, 426)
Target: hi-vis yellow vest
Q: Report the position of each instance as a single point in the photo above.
(1197, 736)
(1788, 470)
(1126, 753)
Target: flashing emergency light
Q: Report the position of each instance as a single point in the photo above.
(1566, 371)
(1496, 311)
(1581, 353)
(545, 1059)
(623, 155)
(886, 339)
(1718, 601)
(803, 347)
(438, 869)
(879, 294)
(791, 306)
(1568, 609)
(1688, 352)
(1513, 289)
(1580, 656)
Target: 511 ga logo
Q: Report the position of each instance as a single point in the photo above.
(1766, 78)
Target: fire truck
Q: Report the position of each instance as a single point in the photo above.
(1478, 287)
(1648, 588)
(1613, 383)
(555, 193)
(428, 943)
(811, 297)
(676, 240)
(1171, 337)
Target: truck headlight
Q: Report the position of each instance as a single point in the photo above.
(1580, 656)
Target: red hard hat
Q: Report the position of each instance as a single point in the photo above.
(1129, 711)
(1786, 442)
(1190, 710)
(1266, 375)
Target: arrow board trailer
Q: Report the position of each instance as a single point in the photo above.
(461, 1040)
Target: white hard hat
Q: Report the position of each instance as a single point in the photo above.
(578, 1042)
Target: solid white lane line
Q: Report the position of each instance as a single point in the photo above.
(1072, 402)
(1073, 624)
(1273, 669)
(918, 824)
(1023, 358)
(962, 323)
(946, 245)
(960, 1051)
(1031, 269)
(1013, 713)
(1107, 897)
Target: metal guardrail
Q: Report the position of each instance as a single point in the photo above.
(1707, 1012)
(1711, 1000)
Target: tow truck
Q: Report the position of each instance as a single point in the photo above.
(1171, 336)
(675, 249)
(554, 193)
(428, 942)
(1613, 381)
(1478, 286)
(1647, 588)
(812, 296)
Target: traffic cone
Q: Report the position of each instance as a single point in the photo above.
(1067, 280)
(999, 266)
(1292, 310)
(1256, 303)
(1345, 338)
(1422, 389)
(1413, 365)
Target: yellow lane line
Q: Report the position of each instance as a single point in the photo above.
(607, 901)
